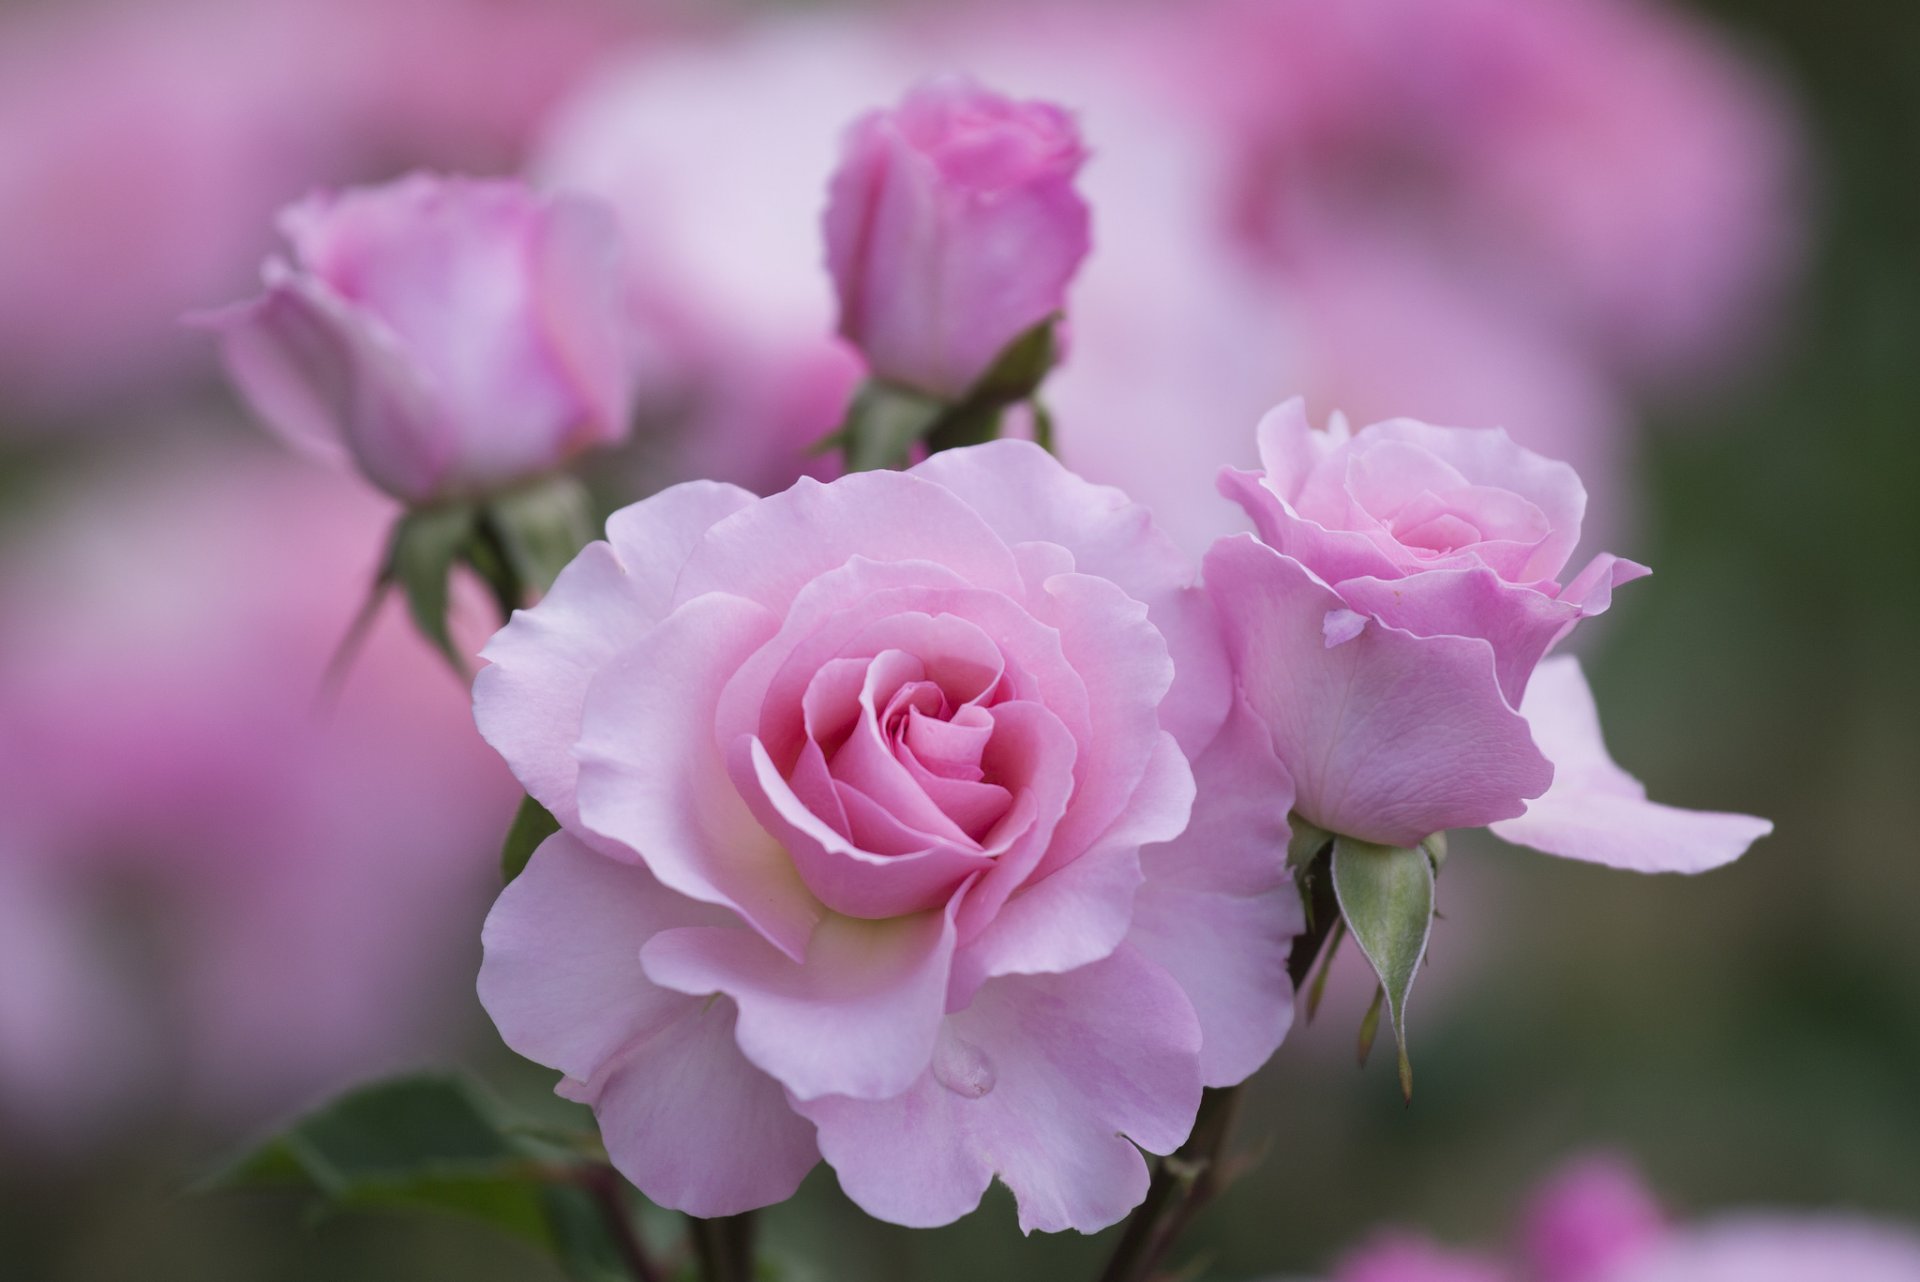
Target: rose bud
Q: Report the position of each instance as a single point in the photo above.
(450, 336)
(953, 228)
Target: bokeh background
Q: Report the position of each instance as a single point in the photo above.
(1675, 243)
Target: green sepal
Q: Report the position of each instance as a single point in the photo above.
(538, 529)
(432, 1143)
(427, 543)
(1023, 364)
(1042, 426)
(1386, 898)
(532, 824)
(884, 424)
(1369, 1027)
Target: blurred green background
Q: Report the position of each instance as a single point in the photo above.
(1750, 1037)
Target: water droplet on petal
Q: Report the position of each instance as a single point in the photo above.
(962, 1067)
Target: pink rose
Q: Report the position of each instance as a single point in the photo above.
(900, 768)
(451, 336)
(1386, 624)
(1431, 529)
(953, 228)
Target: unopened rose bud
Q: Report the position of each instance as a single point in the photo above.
(448, 336)
(953, 229)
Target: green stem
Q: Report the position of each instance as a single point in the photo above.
(724, 1247)
(1187, 1179)
(608, 1191)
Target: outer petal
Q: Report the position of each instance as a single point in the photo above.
(772, 550)
(1597, 812)
(1027, 496)
(858, 1017)
(653, 778)
(331, 378)
(560, 974)
(1389, 737)
(693, 1124)
(684, 1115)
(1046, 1081)
(1219, 910)
(580, 314)
(528, 701)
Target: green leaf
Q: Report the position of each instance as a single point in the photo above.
(427, 543)
(533, 823)
(538, 529)
(1386, 898)
(427, 1143)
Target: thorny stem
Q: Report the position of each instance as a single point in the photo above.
(606, 1187)
(1187, 1179)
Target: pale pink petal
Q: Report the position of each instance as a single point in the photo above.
(847, 878)
(1028, 497)
(561, 975)
(528, 700)
(858, 1017)
(1388, 737)
(1488, 457)
(1597, 812)
(694, 1125)
(1219, 909)
(577, 303)
(774, 549)
(1048, 1082)
(336, 382)
(653, 779)
(1082, 912)
(1519, 621)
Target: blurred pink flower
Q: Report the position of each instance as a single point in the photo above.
(451, 336)
(953, 227)
(1401, 1257)
(245, 896)
(1595, 1221)
(902, 767)
(1590, 1215)
(1607, 167)
(143, 148)
(1779, 1247)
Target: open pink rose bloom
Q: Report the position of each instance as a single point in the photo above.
(906, 822)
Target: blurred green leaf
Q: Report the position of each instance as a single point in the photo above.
(533, 823)
(431, 1143)
(1386, 899)
(427, 543)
